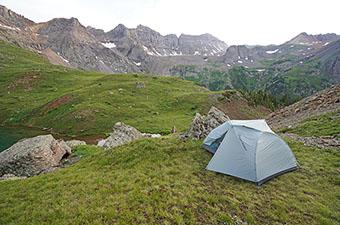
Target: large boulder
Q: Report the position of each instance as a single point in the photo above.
(122, 134)
(33, 156)
(202, 125)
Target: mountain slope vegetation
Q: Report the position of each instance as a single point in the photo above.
(164, 181)
(286, 85)
(37, 94)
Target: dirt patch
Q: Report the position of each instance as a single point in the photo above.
(58, 102)
(26, 81)
(237, 107)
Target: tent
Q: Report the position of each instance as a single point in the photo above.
(248, 149)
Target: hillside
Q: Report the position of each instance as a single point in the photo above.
(119, 126)
(288, 85)
(164, 182)
(321, 103)
(150, 181)
(37, 94)
(122, 50)
(290, 71)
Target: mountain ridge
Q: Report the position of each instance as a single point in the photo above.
(200, 58)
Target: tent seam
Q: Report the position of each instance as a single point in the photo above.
(255, 157)
(253, 128)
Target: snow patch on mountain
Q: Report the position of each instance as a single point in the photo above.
(65, 60)
(109, 45)
(9, 28)
(272, 51)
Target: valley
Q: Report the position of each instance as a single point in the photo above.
(106, 127)
(289, 72)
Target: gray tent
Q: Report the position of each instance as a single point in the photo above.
(248, 149)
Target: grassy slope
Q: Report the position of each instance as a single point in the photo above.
(73, 102)
(35, 93)
(148, 181)
(164, 182)
(325, 125)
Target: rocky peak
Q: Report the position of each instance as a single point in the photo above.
(237, 51)
(205, 45)
(10, 18)
(309, 39)
(247, 56)
(117, 33)
(61, 31)
(302, 38)
(98, 33)
(61, 25)
(78, 46)
(151, 42)
(120, 28)
(146, 34)
(141, 27)
(329, 37)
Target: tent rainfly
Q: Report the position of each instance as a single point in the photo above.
(250, 150)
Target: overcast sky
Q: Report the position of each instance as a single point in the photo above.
(233, 21)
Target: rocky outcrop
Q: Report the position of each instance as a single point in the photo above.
(122, 134)
(324, 101)
(63, 42)
(74, 143)
(138, 43)
(202, 125)
(75, 45)
(33, 156)
(13, 20)
(197, 128)
(319, 142)
(155, 53)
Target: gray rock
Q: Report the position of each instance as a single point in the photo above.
(201, 126)
(122, 134)
(101, 143)
(11, 177)
(74, 143)
(319, 142)
(140, 85)
(147, 135)
(32, 156)
(197, 128)
(215, 117)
